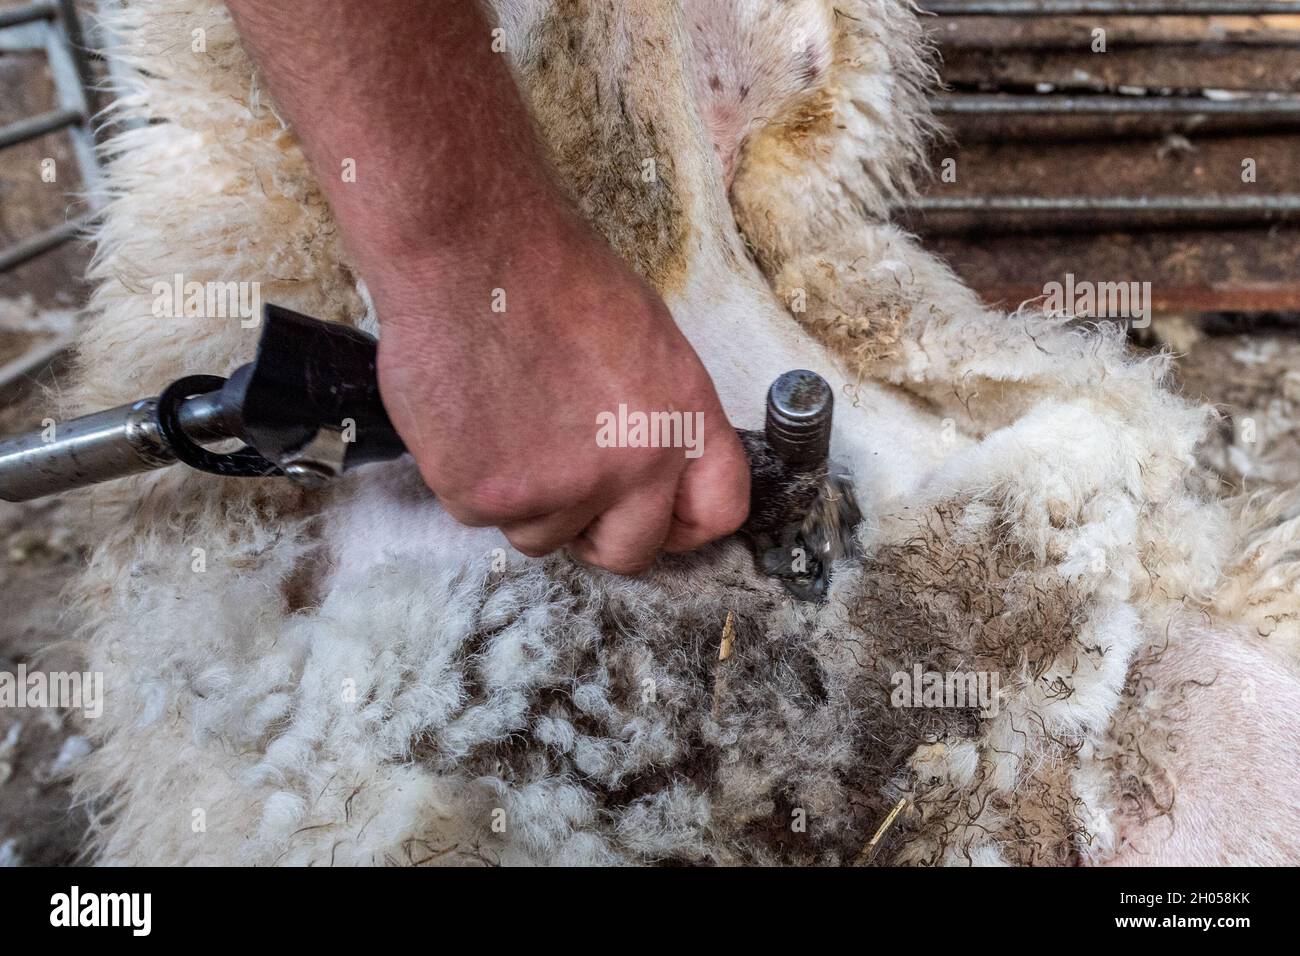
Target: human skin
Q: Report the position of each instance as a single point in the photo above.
(452, 200)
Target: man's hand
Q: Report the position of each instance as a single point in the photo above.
(501, 408)
(449, 208)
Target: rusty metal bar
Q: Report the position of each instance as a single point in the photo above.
(28, 13)
(1008, 215)
(1267, 205)
(1118, 8)
(1002, 104)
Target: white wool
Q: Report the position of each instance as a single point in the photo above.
(74, 749)
(353, 678)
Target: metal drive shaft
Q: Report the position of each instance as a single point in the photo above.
(84, 451)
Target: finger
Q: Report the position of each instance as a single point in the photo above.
(626, 538)
(713, 495)
(500, 503)
(536, 537)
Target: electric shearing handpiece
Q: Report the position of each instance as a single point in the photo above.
(308, 408)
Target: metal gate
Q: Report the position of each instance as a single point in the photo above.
(53, 28)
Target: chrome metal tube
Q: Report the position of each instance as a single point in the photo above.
(206, 419)
(66, 455)
(84, 451)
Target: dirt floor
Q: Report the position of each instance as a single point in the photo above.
(38, 553)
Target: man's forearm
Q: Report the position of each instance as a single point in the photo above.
(453, 203)
(416, 87)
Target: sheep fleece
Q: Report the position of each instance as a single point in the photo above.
(349, 678)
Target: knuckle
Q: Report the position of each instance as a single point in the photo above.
(621, 561)
(533, 550)
(531, 546)
(625, 565)
(476, 515)
(464, 514)
(493, 502)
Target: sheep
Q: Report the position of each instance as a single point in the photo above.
(350, 677)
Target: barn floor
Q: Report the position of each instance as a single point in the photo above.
(38, 555)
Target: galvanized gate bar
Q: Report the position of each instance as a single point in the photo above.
(1122, 8)
(35, 126)
(17, 16)
(27, 249)
(51, 26)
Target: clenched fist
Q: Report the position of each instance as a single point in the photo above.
(505, 372)
(510, 332)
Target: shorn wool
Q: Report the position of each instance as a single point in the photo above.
(349, 677)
